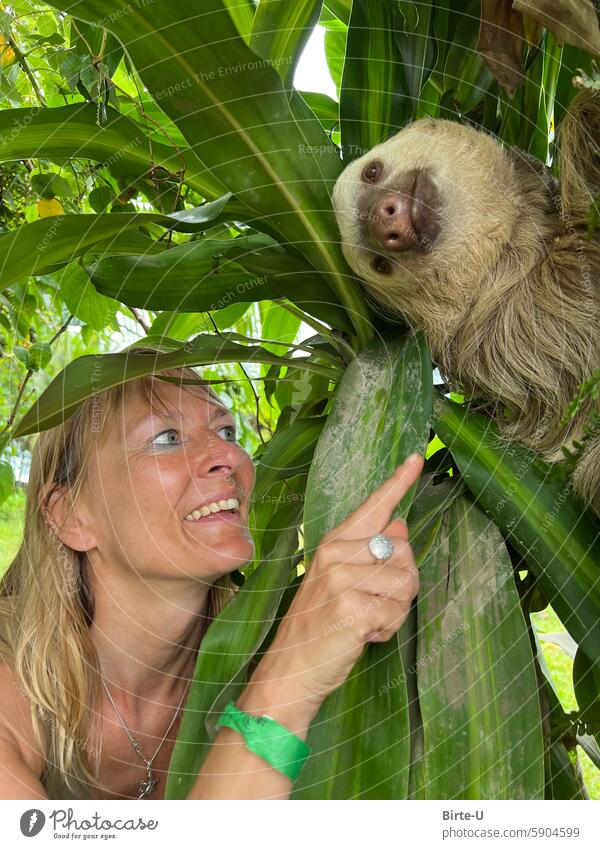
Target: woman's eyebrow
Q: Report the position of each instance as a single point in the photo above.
(218, 412)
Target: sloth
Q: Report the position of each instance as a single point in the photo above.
(481, 248)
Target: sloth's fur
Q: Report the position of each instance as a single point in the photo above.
(508, 295)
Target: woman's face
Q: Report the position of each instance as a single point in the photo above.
(153, 469)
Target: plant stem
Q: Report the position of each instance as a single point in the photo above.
(20, 57)
(322, 329)
(3, 432)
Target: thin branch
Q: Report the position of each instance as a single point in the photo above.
(25, 381)
(136, 314)
(338, 343)
(20, 57)
(256, 397)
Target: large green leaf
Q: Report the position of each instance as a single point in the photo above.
(82, 299)
(38, 247)
(90, 374)
(380, 414)
(195, 276)
(373, 100)
(416, 45)
(465, 73)
(557, 537)
(289, 453)
(280, 32)
(232, 108)
(71, 132)
(476, 678)
(360, 738)
(202, 275)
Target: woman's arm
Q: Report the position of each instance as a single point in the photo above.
(232, 771)
(347, 599)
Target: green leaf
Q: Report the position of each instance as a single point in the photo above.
(562, 780)
(36, 248)
(22, 354)
(417, 47)
(95, 37)
(210, 274)
(231, 106)
(82, 299)
(277, 323)
(360, 738)
(230, 315)
(465, 73)
(40, 354)
(478, 693)
(335, 48)
(7, 481)
(90, 374)
(557, 537)
(424, 519)
(280, 32)
(242, 14)
(296, 389)
(70, 132)
(340, 8)
(378, 418)
(100, 198)
(373, 101)
(325, 108)
(51, 185)
(289, 453)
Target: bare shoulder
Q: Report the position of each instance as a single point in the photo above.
(17, 738)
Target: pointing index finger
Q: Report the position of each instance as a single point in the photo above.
(375, 513)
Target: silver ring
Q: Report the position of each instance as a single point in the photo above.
(381, 546)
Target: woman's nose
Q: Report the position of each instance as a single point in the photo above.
(218, 456)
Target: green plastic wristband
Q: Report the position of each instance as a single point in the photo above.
(273, 742)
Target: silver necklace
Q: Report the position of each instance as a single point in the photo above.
(148, 783)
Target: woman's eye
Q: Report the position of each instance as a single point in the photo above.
(231, 429)
(165, 433)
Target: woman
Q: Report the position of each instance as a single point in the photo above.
(121, 570)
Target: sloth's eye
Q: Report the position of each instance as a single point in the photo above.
(372, 172)
(383, 265)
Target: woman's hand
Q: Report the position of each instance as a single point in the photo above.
(346, 599)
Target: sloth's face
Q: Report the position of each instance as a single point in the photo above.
(434, 204)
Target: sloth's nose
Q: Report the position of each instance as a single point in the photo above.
(406, 219)
(390, 222)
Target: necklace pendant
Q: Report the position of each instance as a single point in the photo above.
(147, 785)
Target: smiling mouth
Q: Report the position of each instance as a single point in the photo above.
(223, 508)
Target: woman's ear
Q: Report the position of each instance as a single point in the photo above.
(68, 522)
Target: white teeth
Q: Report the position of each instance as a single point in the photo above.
(206, 510)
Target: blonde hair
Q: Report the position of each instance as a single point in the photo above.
(46, 604)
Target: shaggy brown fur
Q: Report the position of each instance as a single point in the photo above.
(508, 291)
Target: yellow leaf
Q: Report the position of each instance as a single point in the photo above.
(7, 54)
(47, 208)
